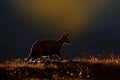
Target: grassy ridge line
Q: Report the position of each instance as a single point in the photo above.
(103, 61)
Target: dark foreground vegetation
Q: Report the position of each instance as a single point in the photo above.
(62, 70)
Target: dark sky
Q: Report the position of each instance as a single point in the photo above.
(19, 28)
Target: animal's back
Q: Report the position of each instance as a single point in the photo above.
(46, 44)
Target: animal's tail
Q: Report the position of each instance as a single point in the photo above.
(30, 54)
(28, 58)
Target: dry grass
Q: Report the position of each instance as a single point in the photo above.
(77, 69)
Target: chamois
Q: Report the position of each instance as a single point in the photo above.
(48, 47)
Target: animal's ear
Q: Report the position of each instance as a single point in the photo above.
(65, 34)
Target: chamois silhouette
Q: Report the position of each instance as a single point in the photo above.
(48, 47)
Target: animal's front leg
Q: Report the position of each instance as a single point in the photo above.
(50, 57)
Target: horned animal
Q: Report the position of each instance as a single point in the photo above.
(48, 47)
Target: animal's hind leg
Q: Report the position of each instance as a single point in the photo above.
(60, 57)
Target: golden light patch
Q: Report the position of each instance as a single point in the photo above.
(68, 15)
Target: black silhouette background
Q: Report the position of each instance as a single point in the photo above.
(17, 33)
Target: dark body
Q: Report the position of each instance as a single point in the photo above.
(48, 47)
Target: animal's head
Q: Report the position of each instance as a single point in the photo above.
(65, 38)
